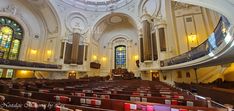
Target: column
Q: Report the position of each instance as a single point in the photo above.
(86, 52)
(75, 48)
(62, 49)
(160, 27)
(141, 47)
(146, 32)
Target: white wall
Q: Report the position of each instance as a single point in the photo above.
(200, 18)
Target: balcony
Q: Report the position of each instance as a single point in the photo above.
(28, 64)
(216, 43)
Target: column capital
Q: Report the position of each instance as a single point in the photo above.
(140, 34)
(146, 16)
(160, 24)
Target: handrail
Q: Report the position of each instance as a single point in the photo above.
(213, 42)
(201, 97)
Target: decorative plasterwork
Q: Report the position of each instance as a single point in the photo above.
(119, 40)
(179, 5)
(11, 9)
(13, 12)
(116, 19)
(145, 5)
(108, 5)
(76, 20)
(38, 3)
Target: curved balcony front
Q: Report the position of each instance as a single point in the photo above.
(217, 49)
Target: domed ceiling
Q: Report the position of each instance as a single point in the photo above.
(98, 5)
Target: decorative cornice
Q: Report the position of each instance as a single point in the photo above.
(179, 5)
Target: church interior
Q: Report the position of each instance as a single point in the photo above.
(116, 55)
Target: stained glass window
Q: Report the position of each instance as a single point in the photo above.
(120, 57)
(11, 35)
(1, 71)
(9, 73)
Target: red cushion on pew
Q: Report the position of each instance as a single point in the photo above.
(150, 108)
(178, 97)
(62, 99)
(176, 109)
(129, 106)
(93, 102)
(183, 110)
(136, 93)
(174, 102)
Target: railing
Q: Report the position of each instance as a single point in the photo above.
(210, 102)
(212, 43)
(28, 64)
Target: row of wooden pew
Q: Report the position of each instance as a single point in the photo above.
(86, 95)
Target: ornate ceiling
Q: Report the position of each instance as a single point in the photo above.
(98, 5)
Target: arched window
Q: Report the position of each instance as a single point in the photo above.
(11, 35)
(120, 57)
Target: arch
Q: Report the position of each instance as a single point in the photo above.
(143, 3)
(122, 36)
(11, 35)
(27, 32)
(102, 18)
(119, 40)
(101, 22)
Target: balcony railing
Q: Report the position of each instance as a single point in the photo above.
(28, 64)
(212, 43)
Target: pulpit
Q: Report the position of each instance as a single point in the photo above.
(120, 74)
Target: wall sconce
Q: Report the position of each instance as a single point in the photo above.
(136, 57)
(103, 59)
(33, 51)
(192, 38)
(24, 71)
(94, 57)
(73, 71)
(49, 53)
